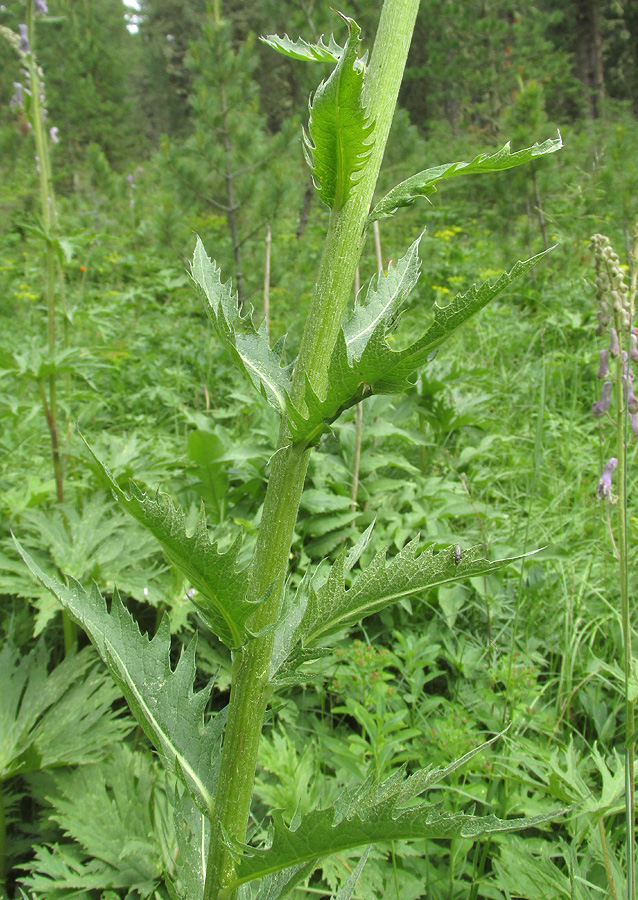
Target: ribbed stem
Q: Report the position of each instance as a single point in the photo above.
(251, 666)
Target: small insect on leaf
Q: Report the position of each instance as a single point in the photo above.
(458, 553)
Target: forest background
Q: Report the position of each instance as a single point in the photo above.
(174, 119)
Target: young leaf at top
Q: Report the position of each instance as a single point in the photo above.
(362, 362)
(300, 49)
(424, 183)
(370, 814)
(339, 140)
(248, 347)
(219, 584)
(160, 698)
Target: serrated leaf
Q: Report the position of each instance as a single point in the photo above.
(368, 815)
(338, 142)
(249, 348)
(332, 607)
(54, 719)
(362, 362)
(160, 698)
(300, 49)
(219, 583)
(424, 183)
(186, 871)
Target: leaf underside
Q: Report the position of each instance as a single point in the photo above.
(249, 348)
(300, 49)
(424, 183)
(371, 814)
(220, 585)
(161, 699)
(362, 362)
(338, 142)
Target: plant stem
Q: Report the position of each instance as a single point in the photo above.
(251, 665)
(3, 838)
(630, 754)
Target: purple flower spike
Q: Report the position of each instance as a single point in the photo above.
(614, 347)
(602, 406)
(18, 95)
(633, 423)
(129, 178)
(603, 370)
(54, 134)
(633, 345)
(41, 7)
(632, 400)
(24, 45)
(604, 485)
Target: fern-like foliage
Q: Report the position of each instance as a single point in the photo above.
(248, 347)
(369, 814)
(161, 699)
(320, 610)
(219, 583)
(116, 830)
(300, 49)
(363, 363)
(54, 719)
(424, 183)
(338, 142)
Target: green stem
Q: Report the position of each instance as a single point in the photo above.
(630, 754)
(251, 665)
(3, 838)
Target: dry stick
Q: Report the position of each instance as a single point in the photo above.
(267, 281)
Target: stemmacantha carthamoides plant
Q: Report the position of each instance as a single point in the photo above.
(615, 321)
(275, 632)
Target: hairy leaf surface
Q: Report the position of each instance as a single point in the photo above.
(370, 814)
(331, 607)
(220, 585)
(161, 699)
(249, 348)
(300, 49)
(362, 362)
(339, 140)
(424, 183)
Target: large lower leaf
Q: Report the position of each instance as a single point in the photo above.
(248, 348)
(161, 699)
(362, 362)
(371, 814)
(338, 142)
(219, 583)
(424, 183)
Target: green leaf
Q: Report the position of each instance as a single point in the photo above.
(331, 607)
(370, 814)
(300, 49)
(186, 869)
(115, 825)
(248, 347)
(424, 183)
(362, 362)
(160, 698)
(219, 584)
(338, 142)
(57, 719)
